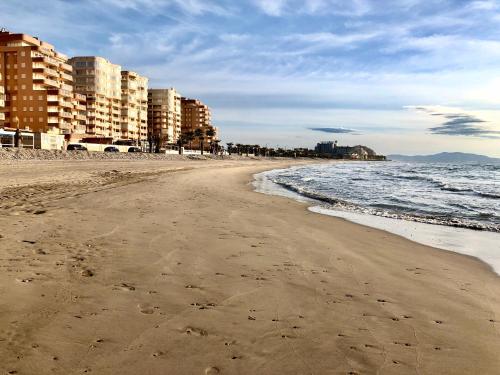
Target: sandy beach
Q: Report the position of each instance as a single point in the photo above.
(179, 267)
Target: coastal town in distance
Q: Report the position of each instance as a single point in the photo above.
(87, 103)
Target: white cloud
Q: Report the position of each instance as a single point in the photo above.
(195, 7)
(272, 7)
(339, 7)
(330, 39)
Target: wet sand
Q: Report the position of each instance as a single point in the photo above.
(165, 267)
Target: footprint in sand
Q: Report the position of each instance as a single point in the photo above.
(145, 309)
(126, 287)
(195, 331)
(25, 280)
(87, 273)
(212, 371)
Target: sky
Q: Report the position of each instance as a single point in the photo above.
(400, 76)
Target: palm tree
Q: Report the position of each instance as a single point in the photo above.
(200, 134)
(189, 137)
(229, 147)
(256, 150)
(210, 133)
(216, 147)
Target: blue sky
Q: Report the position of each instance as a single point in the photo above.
(403, 76)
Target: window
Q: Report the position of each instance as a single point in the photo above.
(23, 87)
(23, 53)
(40, 119)
(31, 109)
(23, 75)
(24, 109)
(23, 65)
(25, 97)
(40, 97)
(40, 109)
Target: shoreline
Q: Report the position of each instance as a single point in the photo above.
(195, 263)
(479, 244)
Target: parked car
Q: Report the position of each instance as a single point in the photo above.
(111, 149)
(134, 149)
(76, 147)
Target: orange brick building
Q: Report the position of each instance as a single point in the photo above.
(38, 87)
(196, 115)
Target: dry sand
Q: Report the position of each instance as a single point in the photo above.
(165, 267)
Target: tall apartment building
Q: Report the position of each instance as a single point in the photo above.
(196, 115)
(37, 84)
(164, 114)
(2, 101)
(100, 81)
(134, 110)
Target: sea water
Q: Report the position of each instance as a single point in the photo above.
(450, 206)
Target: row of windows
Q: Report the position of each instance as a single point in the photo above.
(26, 109)
(7, 77)
(14, 66)
(14, 88)
(30, 119)
(83, 64)
(14, 97)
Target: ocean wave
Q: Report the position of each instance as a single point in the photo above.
(388, 210)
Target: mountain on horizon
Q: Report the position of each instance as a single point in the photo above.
(445, 157)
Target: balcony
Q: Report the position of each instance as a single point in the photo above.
(67, 77)
(65, 114)
(37, 56)
(66, 67)
(66, 87)
(52, 98)
(2, 116)
(63, 103)
(50, 82)
(66, 93)
(51, 72)
(80, 107)
(53, 109)
(65, 125)
(38, 77)
(53, 121)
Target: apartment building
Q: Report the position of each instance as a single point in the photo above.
(100, 81)
(79, 116)
(164, 115)
(134, 110)
(37, 85)
(196, 115)
(2, 101)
